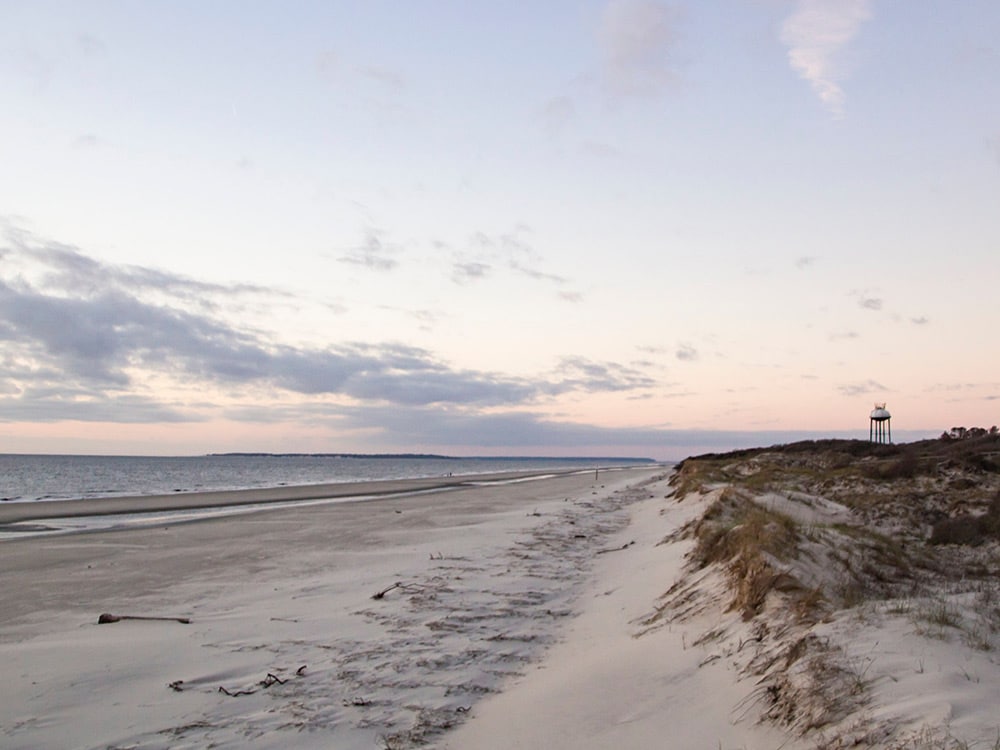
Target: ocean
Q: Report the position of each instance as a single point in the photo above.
(43, 477)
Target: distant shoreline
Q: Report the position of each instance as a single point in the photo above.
(396, 456)
(439, 456)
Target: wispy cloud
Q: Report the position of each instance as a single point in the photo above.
(426, 318)
(579, 373)
(32, 260)
(686, 353)
(333, 69)
(861, 388)
(511, 250)
(843, 335)
(90, 45)
(373, 253)
(534, 273)
(866, 300)
(637, 39)
(463, 272)
(390, 79)
(815, 33)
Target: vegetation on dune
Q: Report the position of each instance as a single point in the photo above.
(748, 540)
(803, 533)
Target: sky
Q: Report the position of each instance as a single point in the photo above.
(591, 227)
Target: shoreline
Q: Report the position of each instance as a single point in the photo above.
(39, 510)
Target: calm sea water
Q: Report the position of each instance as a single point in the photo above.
(33, 477)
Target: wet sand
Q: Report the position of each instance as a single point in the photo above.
(17, 512)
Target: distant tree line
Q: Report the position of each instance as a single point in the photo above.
(963, 433)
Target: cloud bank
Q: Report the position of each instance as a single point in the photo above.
(82, 340)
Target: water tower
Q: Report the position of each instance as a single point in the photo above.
(880, 430)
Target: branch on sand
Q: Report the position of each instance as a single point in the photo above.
(615, 549)
(106, 618)
(398, 585)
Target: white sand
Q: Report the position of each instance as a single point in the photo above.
(490, 575)
(619, 681)
(603, 687)
(522, 623)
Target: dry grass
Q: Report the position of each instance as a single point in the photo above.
(969, 529)
(748, 541)
(922, 534)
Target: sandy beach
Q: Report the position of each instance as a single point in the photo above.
(563, 612)
(286, 645)
(773, 598)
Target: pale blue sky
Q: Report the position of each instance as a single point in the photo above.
(619, 226)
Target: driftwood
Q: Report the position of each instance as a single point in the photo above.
(271, 679)
(615, 549)
(411, 587)
(108, 618)
(237, 693)
(383, 592)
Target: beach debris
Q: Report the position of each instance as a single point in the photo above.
(383, 592)
(272, 679)
(268, 681)
(615, 549)
(237, 693)
(443, 556)
(398, 585)
(107, 618)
